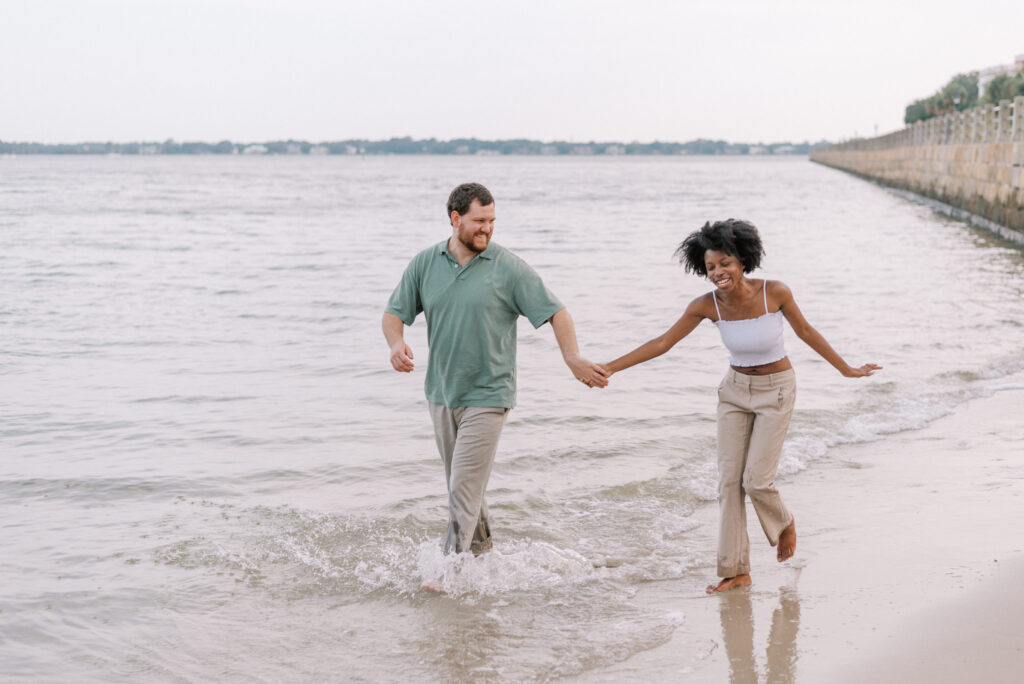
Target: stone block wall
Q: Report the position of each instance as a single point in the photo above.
(971, 160)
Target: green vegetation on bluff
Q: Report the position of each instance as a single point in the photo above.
(1004, 87)
(962, 93)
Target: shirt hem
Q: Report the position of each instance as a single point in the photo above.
(477, 403)
(732, 362)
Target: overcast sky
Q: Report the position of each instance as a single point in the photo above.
(249, 70)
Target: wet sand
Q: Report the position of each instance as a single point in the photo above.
(908, 567)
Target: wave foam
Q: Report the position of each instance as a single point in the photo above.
(510, 566)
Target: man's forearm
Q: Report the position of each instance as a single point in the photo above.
(401, 355)
(394, 329)
(565, 334)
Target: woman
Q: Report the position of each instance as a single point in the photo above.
(755, 399)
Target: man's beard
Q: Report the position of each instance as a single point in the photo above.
(470, 244)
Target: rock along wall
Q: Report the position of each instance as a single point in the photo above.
(972, 160)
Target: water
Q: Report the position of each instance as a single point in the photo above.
(209, 471)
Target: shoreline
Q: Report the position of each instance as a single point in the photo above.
(906, 547)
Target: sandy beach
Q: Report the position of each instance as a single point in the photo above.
(908, 568)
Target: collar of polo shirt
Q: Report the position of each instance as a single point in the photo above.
(443, 248)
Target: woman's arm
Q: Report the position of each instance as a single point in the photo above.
(690, 319)
(814, 339)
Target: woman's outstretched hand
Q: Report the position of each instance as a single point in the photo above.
(866, 369)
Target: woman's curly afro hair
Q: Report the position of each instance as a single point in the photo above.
(732, 236)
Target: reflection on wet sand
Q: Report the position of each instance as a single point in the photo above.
(465, 642)
(484, 638)
(737, 615)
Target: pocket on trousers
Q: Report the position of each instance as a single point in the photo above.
(787, 396)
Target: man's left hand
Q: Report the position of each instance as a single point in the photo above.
(587, 372)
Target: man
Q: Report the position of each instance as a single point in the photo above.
(472, 292)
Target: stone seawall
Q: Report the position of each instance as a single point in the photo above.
(971, 160)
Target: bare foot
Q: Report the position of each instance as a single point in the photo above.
(435, 586)
(730, 583)
(787, 542)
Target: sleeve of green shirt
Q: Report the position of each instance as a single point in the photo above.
(532, 299)
(405, 301)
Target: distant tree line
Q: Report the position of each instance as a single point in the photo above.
(962, 93)
(409, 145)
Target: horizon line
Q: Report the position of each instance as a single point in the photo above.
(392, 139)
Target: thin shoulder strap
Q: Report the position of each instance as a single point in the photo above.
(716, 306)
(764, 288)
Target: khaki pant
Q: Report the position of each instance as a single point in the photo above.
(467, 439)
(753, 415)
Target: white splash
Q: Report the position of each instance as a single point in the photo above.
(515, 565)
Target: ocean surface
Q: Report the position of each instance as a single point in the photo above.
(209, 472)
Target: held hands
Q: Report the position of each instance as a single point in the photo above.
(401, 358)
(587, 372)
(862, 371)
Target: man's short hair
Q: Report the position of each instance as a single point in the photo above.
(463, 196)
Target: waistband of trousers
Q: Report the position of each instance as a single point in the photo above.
(756, 382)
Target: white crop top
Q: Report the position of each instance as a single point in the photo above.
(752, 341)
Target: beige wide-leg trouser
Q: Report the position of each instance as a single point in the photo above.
(753, 416)
(467, 439)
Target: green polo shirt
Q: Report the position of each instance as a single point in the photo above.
(471, 314)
